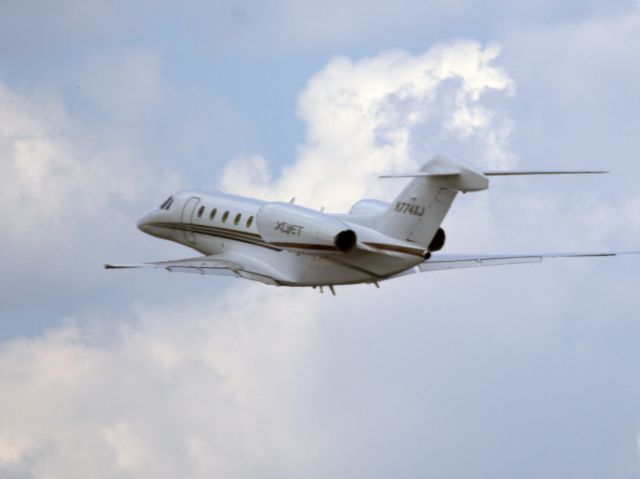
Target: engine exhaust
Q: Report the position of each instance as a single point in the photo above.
(438, 241)
(346, 240)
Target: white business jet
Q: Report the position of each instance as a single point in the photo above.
(288, 245)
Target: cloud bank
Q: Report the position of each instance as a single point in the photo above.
(53, 168)
(366, 117)
(528, 372)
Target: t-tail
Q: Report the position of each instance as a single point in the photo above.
(417, 212)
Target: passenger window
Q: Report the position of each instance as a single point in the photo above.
(213, 213)
(200, 211)
(236, 220)
(249, 221)
(225, 216)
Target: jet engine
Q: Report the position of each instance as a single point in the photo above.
(301, 229)
(438, 241)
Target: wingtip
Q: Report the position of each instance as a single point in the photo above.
(116, 266)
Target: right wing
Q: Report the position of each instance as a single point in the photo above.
(453, 261)
(205, 265)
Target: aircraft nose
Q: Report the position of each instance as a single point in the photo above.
(143, 223)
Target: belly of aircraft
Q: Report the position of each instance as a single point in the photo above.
(298, 269)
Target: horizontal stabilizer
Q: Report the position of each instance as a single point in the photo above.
(425, 174)
(453, 172)
(543, 172)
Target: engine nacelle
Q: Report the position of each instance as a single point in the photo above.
(301, 229)
(438, 240)
(369, 207)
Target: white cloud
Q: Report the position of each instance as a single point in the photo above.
(11, 449)
(62, 168)
(274, 382)
(364, 117)
(248, 173)
(80, 166)
(225, 404)
(130, 451)
(54, 170)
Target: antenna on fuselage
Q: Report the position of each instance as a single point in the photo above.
(292, 200)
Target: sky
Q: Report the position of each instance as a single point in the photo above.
(526, 371)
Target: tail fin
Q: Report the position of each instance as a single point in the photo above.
(417, 212)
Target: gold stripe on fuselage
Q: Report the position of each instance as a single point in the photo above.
(397, 248)
(256, 239)
(216, 232)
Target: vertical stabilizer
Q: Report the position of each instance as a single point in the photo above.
(417, 212)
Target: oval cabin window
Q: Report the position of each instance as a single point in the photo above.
(225, 216)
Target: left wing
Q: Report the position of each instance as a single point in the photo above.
(205, 265)
(453, 261)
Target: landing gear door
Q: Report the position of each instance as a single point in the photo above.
(186, 218)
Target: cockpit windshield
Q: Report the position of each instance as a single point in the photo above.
(167, 204)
